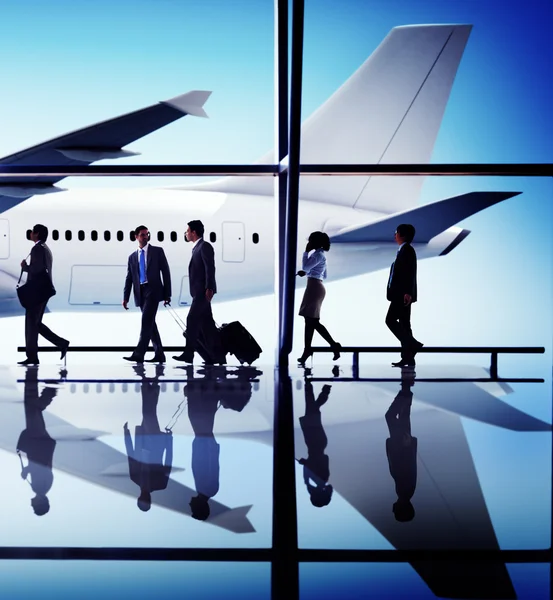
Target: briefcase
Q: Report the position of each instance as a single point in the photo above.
(37, 291)
(238, 341)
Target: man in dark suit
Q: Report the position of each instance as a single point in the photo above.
(149, 276)
(201, 275)
(41, 261)
(402, 292)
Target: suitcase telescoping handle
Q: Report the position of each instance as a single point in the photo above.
(176, 317)
(179, 321)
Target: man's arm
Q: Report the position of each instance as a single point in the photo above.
(128, 285)
(166, 274)
(208, 257)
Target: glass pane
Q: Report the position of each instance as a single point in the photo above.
(158, 460)
(323, 581)
(472, 92)
(139, 580)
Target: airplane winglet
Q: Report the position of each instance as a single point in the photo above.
(190, 103)
(235, 520)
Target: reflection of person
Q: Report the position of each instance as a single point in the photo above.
(402, 292)
(41, 260)
(203, 402)
(201, 276)
(149, 276)
(401, 449)
(316, 470)
(147, 467)
(314, 267)
(35, 442)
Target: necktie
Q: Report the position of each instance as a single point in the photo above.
(142, 266)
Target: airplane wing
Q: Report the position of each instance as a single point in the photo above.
(103, 140)
(429, 219)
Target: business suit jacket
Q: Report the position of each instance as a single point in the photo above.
(404, 278)
(156, 266)
(201, 269)
(41, 260)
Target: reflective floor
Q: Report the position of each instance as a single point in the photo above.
(156, 459)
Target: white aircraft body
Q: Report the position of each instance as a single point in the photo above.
(388, 111)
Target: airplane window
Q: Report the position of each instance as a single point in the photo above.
(55, 235)
(132, 236)
(94, 236)
(68, 235)
(120, 236)
(160, 236)
(81, 235)
(107, 236)
(212, 237)
(29, 231)
(255, 238)
(173, 236)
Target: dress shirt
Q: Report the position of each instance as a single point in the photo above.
(314, 265)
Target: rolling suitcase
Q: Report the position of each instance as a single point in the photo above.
(238, 341)
(202, 347)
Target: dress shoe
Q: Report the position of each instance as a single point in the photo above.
(29, 361)
(132, 358)
(416, 347)
(158, 358)
(405, 362)
(63, 350)
(185, 357)
(336, 349)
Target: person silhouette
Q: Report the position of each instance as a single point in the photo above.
(36, 443)
(147, 467)
(203, 402)
(401, 449)
(316, 470)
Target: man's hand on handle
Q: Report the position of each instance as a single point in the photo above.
(209, 295)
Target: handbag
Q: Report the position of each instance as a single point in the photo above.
(37, 291)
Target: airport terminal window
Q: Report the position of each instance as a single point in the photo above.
(173, 236)
(160, 236)
(255, 238)
(132, 236)
(120, 236)
(29, 231)
(107, 236)
(81, 235)
(94, 235)
(55, 235)
(212, 237)
(68, 235)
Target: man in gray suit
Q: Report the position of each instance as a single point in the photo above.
(146, 268)
(41, 260)
(201, 275)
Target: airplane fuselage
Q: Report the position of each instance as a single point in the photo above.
(90, 238)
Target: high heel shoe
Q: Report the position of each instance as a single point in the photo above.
(306, 354)
(336, 347)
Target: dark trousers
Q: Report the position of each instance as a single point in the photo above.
(200, 322)
(35, 326)
(398, 321)
(149, 303)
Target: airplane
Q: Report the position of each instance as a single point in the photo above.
(388, 111)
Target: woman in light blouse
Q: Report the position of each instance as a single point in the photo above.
(314, 267)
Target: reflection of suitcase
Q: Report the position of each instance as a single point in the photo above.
(202, 347)
(238, 341)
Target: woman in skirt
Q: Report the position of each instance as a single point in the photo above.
(314, 267)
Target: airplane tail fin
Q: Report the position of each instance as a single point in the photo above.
(429, 220)
(388, 111)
